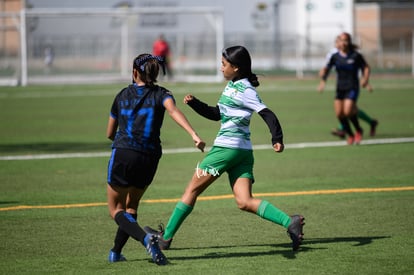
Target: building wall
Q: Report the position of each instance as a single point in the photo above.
(277, 28)
(9, 36)
(368, 26)
(397, 22)
(380, 26)
(322, 20)
(384, 32)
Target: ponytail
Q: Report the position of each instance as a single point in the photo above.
(253, 80)
(148, 67)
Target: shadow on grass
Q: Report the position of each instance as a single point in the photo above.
(286, 252)
(360, 241)
(54, 147)
(8, 202)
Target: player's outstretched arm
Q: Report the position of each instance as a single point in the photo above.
(181, 120)
(209, 112)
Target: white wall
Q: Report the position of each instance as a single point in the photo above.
(322, 20)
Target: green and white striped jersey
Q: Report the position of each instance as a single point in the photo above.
(237, 103)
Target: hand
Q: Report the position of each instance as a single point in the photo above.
(200, 145)
(188, 98)
(321, 86)
(365, 84)
(369, 88)
(278, 147)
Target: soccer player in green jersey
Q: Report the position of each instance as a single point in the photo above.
(232, 150)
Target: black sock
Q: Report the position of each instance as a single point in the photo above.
(355, 122)
(130, 226)
(347, 127)
(121, 238)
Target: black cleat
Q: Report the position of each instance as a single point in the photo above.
(163, 244)
(373, 128)
(339, 133)
(154, 250)
(295, 230)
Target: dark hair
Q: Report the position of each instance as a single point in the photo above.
(148, 67)
(239, 56)
(352, 46)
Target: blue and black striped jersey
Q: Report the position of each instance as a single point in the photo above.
(139, 111)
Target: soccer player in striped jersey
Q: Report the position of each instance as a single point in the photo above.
(134, 127)
(232, 149)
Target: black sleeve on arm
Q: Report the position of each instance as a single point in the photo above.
(274, 126)
(326, 74)
(204, 110)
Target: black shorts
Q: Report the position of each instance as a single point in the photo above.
(347, 94)
(131, 168)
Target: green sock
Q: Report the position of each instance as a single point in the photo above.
(269, 212)
(364, 116)
(178, 216)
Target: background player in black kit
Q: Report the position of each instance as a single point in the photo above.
(348, 63)
(361, 114)
(134, 126)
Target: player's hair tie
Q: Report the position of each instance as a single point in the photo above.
(140, 62)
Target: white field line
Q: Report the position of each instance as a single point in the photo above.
(192, 150)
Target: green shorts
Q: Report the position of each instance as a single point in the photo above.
(237, 163)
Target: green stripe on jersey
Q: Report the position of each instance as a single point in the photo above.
(234, 132)
(229, 101)
(236, 120)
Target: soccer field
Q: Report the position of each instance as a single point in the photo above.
(357, 200)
